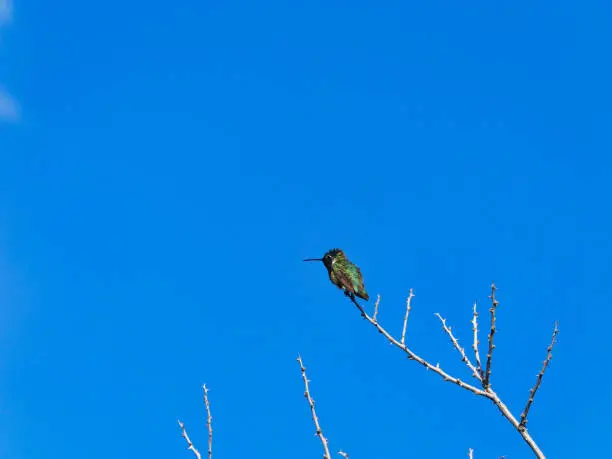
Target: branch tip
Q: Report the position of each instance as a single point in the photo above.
(408, 307)
(476, 342)
(455, 341)
(190, 445)
(376, 307)
(318, 430)
(494, 304)
(534, 389)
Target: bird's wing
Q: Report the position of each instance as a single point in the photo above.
(343, 280)
(359, 286)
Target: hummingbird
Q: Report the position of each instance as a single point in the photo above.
(343, 274)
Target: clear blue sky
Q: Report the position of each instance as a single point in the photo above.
(173, 162)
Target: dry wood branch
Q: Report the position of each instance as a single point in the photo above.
(189, 443)
(208, 424)
(494, 304)
(319, 432)
(464, 358)
(343, 454)
(208, 421)
(486, 392)
(476, 343)
(412, 356)
(471, 453)
(533, 391)
(510, 417)
(376, 307)
(408, 307)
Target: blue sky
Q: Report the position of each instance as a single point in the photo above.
(170, 166)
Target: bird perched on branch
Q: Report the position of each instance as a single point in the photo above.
(344, 274)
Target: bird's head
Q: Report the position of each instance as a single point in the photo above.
(328, 258)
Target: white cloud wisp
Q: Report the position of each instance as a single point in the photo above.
(8, 107)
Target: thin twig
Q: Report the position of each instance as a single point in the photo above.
(533, 391)
(326, 454)
(471, 453)
(476, 343)
(343, 454)
(189, 443)
(494, 303)
(376, 307)
(408, 307)
(208, 421)
(464, 358)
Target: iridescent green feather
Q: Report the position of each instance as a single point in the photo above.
(346, 275)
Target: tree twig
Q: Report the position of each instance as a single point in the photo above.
(208, 421)
(533, 391)
(464, 358)
(189, 443)
(343, 454)
(471, 453)
(494, 303)
(315, 419)
(476, 343)
(408, 307)
(376, 307)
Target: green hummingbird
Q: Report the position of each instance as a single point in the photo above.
(343, 274)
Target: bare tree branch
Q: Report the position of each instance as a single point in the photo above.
(412, 356)
(208, 421)
(326, 454)
(494, 304)
(189, 443)
(476, 343)
(486, 390)
(406, 316)
(376, 307)
(482, 376)
(533, 391)
(464, 358)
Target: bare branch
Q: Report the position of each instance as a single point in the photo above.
(412, 356)
(376, 307)
(486, 392)
(406, 316)
(476, 343)
(326, 454)
(189, 443)
(471, 453)
(510, 417)
(533, 391)
(208, 421)
(464, 358)
(209, 424)
(343, 454)
(494, 304)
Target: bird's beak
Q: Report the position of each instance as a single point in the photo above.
(313, 259)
